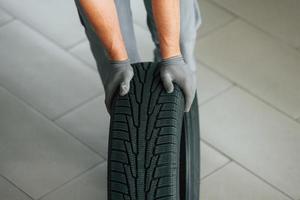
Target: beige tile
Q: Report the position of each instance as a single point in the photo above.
(209, 84)
(213, 17)
(257, 136)
(83, 52)
(90, 186)
(4, 17)
(90, 124)
(211, 160)
(144, 43)
(10, 192)
(56, 19)
(43, 75)
(235, 183)
(266, 67)
(279, 18)
(36, 155)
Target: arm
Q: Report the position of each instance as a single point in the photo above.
(103, 17)
(166, 15)
(173, 68)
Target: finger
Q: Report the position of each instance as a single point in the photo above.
(125, 85)
(109, 92)
(107, 105)
(167, 82)
(189, 97)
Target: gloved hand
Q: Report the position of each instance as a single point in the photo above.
(175, 69)
(119, 75)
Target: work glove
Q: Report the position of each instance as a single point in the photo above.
(119, 75)
(175, 69)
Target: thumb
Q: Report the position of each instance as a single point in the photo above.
(107, 104)
(167, 82)
(125, 84)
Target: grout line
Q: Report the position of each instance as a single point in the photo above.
(18, 188)
(215, 71)
(212, 2)
(54, 43)
(216, 149)
(36, 30)
(248, 170)
(73, 178)
(77, 106)
(242, 18)
(217, 94)
(249, 92)
(75, 44)
(65, 49)
(54, 124)
(85, 62)
(263, 180)
(215, 171)
(199, 37)
(81, 142)
(45, 115)
(7, 22)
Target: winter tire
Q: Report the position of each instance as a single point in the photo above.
(153, 149)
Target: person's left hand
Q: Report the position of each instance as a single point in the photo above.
(175, 69)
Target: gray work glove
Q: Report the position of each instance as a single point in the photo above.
(119, 75)
(175, 69)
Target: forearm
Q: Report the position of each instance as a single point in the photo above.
(167, 19)
(103, 17)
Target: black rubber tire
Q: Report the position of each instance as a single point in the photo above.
(153, 145)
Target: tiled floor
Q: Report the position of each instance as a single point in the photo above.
(54, 127)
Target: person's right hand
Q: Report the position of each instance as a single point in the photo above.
(119, 75)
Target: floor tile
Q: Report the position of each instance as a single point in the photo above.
(211, 160)
(264, 66)
(235, 183)
(212, 17)
(41, 74)
(35, 154)
(83, 52)
(144, 43)
(257, 136)
(279, 18)
(209, 84)
(56, 19)
(90, 124)
(139, 13)
(10, 192)
(90, 186)
(4, 17)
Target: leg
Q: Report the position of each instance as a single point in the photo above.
(97, 48)
(189, 23)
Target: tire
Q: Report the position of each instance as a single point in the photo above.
(153, 145)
